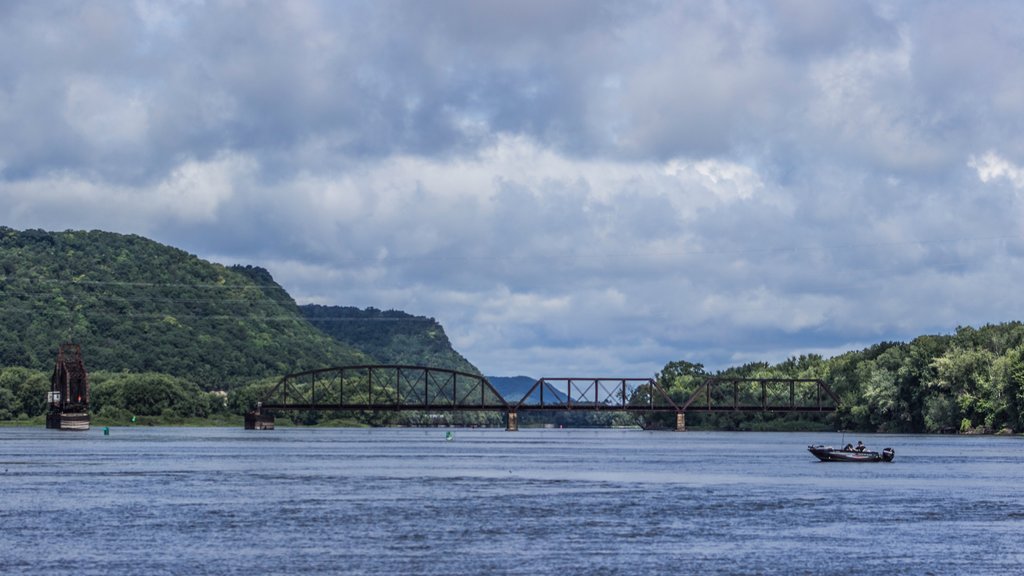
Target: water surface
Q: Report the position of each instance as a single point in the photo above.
(406, 501)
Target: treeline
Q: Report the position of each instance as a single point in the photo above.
(970, 381)
(119, 397)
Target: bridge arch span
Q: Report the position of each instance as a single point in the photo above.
(379, 388)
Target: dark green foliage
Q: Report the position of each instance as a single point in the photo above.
(391, 336)
(22, 393)
(161, 329)
(148, 394)
(138, 306)
(970, 381)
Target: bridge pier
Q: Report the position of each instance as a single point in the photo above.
(680, 421)
(512, 422)
(256, 420)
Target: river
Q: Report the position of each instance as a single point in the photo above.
(408, 501)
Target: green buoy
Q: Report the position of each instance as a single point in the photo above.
(106, 431)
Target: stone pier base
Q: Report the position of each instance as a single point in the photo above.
(256, 421)
(512, 424)
(68, 420)
(681, 422)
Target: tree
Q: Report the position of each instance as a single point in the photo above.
(965, 375)
(8, 405)
(681, 378)
(29, 388)
(1008, 389)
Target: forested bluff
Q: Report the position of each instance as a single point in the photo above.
(169, 338)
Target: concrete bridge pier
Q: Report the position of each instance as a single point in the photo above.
(512, 422)
(680, 421)
(256, 420)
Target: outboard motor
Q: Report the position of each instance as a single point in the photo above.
(888, 454)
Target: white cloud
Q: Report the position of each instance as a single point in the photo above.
(991, 166)
(191, 193)
(762, 308)
(104, 117)
(194, 191)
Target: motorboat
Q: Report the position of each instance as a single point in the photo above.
(850, 454)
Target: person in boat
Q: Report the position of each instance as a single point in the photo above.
(860, 446)
(848, 448)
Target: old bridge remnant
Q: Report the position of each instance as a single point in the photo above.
(69, 391)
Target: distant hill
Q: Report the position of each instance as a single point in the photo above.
(390, 336)
(139, 306)
(512, 388)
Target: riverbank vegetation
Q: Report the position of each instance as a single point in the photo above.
(971, 381)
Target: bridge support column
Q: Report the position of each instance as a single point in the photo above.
(255, 420)
(512, 423)
(680, 421)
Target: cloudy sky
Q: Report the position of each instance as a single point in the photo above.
(574, 188)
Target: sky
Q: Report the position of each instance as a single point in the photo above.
(572, 188)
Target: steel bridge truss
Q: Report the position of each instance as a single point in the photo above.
(382, 388)
(761, 395)
(611, 394)
(396, 388)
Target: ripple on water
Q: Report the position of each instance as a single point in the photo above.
(172, 501)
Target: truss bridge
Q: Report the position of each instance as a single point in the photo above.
(399, 388)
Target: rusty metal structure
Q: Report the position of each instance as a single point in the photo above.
(69, 390)
(392, 388)
(377, 388)
(636, 395)
(615, 394)
(762, 395)
(722, 394)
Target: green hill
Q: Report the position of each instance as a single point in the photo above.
(392, 336)
(512, 388)
(141, 307)
(162, 330)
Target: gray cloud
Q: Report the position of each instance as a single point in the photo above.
(569, 186)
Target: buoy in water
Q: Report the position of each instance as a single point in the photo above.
(449, 436)
(106, 431)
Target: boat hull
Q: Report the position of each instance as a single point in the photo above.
(829, 454)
